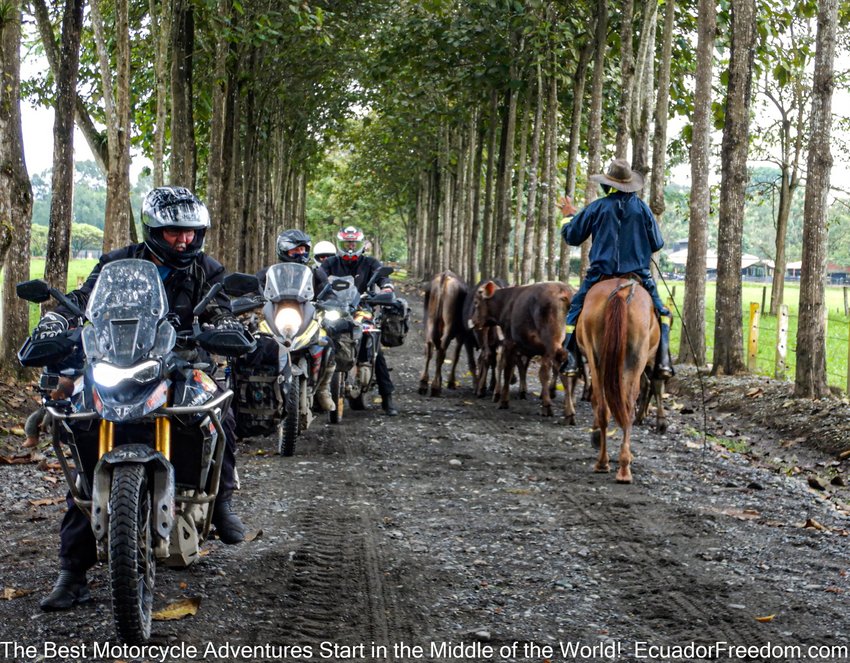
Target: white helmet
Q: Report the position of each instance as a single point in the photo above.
(323, 250)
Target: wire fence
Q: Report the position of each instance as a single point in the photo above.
(770, 341)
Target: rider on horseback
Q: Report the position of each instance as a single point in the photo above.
(625, 235)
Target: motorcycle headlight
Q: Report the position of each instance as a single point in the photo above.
(107, 375)
(332, 316)
(287, 320)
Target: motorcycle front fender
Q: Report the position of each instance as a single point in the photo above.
(163, 487)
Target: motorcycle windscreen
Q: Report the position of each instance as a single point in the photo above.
(125, 309)
(347, 298)
(289, 280)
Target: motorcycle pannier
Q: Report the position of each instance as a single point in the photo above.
(395, 323)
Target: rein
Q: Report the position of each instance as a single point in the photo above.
(622, 286)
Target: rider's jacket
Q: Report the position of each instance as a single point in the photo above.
(625, 233)
(183, 288)
(361, 269)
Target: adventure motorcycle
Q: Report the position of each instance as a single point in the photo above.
(152, 493)
(290, 319)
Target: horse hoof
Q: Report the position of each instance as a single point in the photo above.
(624, 479)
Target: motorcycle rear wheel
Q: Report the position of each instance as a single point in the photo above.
(338, 396)
(287, 430)
(132, 567)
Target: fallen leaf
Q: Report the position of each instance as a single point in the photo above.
(742, 514)
(15, 459)
(184, 585)
(766, 618)
(844, 454)
(754, 392)
(253, 534)
(10, 593)
(178, 610)
(811, 523)
(47, 501)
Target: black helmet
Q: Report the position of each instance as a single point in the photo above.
(291, 239)
(176, 208)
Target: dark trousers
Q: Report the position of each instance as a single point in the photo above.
(382, 375)
(593, 277)
(77, 545)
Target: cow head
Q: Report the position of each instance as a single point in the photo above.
(481, 315)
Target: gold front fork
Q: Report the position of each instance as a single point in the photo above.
(163, 436)
(106, 437)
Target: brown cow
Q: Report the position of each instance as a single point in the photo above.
(444, 322)
(532, 320)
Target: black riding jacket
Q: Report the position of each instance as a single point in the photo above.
(361, 269)
(183, 288)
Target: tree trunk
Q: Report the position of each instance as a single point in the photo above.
(692, 344)
(728, 335)
(96, 141)
(487, 221)
(502, 230)
(594, 130)
(811, 377)
(62, 187)
(474, 233)
(520, 190)
(116, 96)
(161, 36)
(643, 87)
(183, 153)
(627, 76)
(15, 192)
(531, 216)
(662, 102)
(552, 189)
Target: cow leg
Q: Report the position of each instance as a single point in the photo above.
(508, 364)
(481, 375)
(452, 378)
(495, 366)
(423, 379)
(498, 369)
(569, 404)
(522, 370)
(545, 377)
(470, 359)
(437, 382)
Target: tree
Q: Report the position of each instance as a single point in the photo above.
(62, 200)
(728, 338)
(15, 190)
(810, 380)
(692, 344)
(85, 238)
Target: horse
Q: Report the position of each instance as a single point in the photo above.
(618, 332)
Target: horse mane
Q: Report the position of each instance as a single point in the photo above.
(613, 354)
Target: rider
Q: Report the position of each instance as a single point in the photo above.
(322, 251)
(174, 223)
(625, 235)
(350, 261)
(294, 246)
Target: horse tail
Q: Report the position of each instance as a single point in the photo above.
(613, 357)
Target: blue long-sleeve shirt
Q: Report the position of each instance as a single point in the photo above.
(625, 233)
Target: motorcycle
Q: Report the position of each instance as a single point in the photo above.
(150, 499)
(289, 317)
(355, 381)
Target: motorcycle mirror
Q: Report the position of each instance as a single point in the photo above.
(36, 291)
(206, 300)
(238, 284)
(382, 272)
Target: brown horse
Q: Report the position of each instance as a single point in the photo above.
(618, 333)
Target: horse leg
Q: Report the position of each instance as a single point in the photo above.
(423, 379)
(545, 378)
(600, 433)
(645, 396)
(624, 470)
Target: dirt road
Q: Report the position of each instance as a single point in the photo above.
(460, 532)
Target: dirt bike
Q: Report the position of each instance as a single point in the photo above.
(289, 318)
(150, 500)
(355, 382)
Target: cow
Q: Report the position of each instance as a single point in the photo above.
(444, 322)
(531, 318)
(488, 341)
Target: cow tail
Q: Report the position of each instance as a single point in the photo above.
(614, 341)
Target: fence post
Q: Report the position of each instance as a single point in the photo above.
(763, 297)
(846, 304)
(781, 342)
(754, 336)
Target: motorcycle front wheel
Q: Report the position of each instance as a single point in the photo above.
(338, 396)
(287, 430)
(132, 567)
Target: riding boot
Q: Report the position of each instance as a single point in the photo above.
(663, 364)
(323, 389)
(227, 524)
(387, 405)
(570, 366)
(71, 588)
